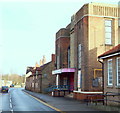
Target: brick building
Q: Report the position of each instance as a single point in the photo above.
(40, 78)
(28, 82)
(64, 74)
(92, 31)
(111, 65)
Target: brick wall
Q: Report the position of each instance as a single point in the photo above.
(89, 32)
(47, 78)
(114, 87)
(62, 44)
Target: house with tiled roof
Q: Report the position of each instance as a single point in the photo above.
(111, 78)
(41, 77)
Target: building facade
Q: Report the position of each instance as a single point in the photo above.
(40, 78)
(92, 31)
(64, 74)
(111, 63)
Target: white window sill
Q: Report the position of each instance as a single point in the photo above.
(87, 92)
(110, 86)
(118, 87)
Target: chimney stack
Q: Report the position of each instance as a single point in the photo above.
(53, 57)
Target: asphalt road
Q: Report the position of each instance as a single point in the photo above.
(17, 100)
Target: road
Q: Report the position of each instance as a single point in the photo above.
(17, 100)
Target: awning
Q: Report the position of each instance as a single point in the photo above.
(64, 70)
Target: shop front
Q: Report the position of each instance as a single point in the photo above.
(65, 78)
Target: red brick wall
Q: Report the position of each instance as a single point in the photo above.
(62, 44)
(82, 96)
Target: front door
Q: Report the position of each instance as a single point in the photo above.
(71, 82)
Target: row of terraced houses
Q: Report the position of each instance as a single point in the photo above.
(83, 61)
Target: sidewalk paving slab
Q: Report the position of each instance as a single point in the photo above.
(65, 104)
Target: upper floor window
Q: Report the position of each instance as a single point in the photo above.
(58, 62)
(108, 32)
(110, 72)
(79, 56)
(36, 74)
(119, 22)
(118, 71)
(69, 57)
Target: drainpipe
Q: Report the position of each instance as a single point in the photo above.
(102, 76)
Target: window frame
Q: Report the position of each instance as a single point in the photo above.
(118, 84)
(79, 56)
(108, 40)
(68, 57)
(108, 72)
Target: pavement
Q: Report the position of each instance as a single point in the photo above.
(64, 103)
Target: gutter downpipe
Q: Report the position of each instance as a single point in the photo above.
(102, 76)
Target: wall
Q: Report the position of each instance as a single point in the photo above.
(114, 87)
(89, 31)
(62, 44)
(47, 78)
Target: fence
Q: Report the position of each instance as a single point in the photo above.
(102, 98)
(60, 90)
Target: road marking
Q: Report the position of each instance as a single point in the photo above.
(10, 100)
(56, 109)
(12, 110)
(10, 105)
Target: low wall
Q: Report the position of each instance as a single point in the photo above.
(83, 95)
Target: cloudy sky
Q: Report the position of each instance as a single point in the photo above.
(28, 28)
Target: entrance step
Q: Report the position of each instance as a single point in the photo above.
(69, 95)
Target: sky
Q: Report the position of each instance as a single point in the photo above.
(28, 29)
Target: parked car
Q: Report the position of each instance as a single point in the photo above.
(4, 89)
(12, 85)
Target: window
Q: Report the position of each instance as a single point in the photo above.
(79, 56)
(36, 85)
(119, 22)
(118, 71)
(36, 74)
(69, 57)
(108, 32)
(79, 80)
(58, 63)
(45, 75)
(110, 73)
(32, 84)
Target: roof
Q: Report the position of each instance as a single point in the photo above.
(114, 50)
(44, 65)
(39, 69)
(29, 69)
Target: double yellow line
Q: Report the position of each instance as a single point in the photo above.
(45, 103)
